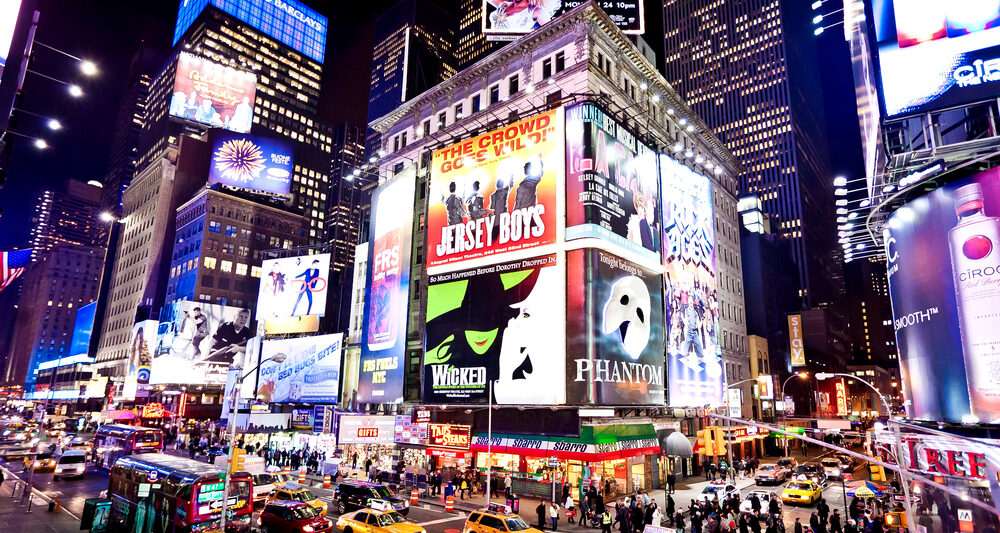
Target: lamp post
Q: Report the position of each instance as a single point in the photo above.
(729, 423)
(240, 376)
(784, 412)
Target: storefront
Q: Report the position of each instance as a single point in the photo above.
(368, 437)
(747, 441)
(616, 458)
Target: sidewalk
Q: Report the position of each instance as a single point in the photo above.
(14, 519)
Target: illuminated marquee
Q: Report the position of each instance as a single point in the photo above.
(450, 436)
(841, 399)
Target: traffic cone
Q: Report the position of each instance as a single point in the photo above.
(302, 476)
(449, 504)
(326, 481)
(414, 497)
(287, 471)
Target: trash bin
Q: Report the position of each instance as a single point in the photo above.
(52, 506)
(514, 503)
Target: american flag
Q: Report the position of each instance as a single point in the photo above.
(12, 265)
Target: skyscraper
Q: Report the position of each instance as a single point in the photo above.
(67, 217)
(347, 195)
(471, 44)
(749, 68)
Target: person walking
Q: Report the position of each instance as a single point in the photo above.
(507, 481)
(570, 508)
(835, 526)
(623, 517)
(670, 508)
(463, 487)
(554, 515)
(606, 521)
(732, 474)
(540, 511)
(798, 525)
(671, 481)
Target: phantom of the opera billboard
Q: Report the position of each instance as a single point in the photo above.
(293, 286)
(614, 331)
(197, 342)
(213, 94)
(496, 192)
(694, 356)
(612, 188)
(502, 324)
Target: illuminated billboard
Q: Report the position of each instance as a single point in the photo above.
(612, 188)
(83, 329)
(293, 286)
(365, 429)
(197, 341)
(309, 373)
(502, 324)
(496, 192)
(691, 291)
(944, 284)
(289, 21)
(934, 55)
(213, 94)
(251, 162)
(614, 331)
(387, 291)
(795, 344)
(8, 21)
(517, 17)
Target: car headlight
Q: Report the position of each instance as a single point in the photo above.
(307, 529)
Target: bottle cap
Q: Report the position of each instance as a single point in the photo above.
(968, 198)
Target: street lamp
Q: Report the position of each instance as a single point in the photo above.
(784, 412)
(75, 91)
(240, 376)
(729, 423)
(88, 68)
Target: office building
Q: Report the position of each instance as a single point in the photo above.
(729, 278)
(348, 194)
(70, 216)
(471, 44)
(870, 313)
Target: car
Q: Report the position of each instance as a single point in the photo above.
(212, 452)
(764, 496)
(292, 517)
(806, 492)
(496, 519)
(16, 453)
(349, 495)
(833, 468)
(811, 472)
(280, 478)
(787, 462)
(44, 462)
(72, 463)
(771, 474)
(847, 462)
(263, 484)
(379, 518)
(297, 493)
(718, 488)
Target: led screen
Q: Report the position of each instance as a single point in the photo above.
(944, 284)
(934, 54)
(387, 291)
(289, 21)
(212, 94)
(513, 17)
(614, 331)
(502, 324)
(694, 356)
(293, 286)
(310, 371)
(197, 342)
(496, 192)
(8, 20)
(83, 328)
(611, 183)
(251, 162)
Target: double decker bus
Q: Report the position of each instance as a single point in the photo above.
(176, 495)
(116, 440)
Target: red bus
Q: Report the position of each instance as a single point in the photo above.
(176, 495)
(115, 440)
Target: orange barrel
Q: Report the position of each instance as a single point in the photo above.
(449, 504)
(414, 497)
(326, 481)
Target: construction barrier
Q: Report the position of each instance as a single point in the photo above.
(302, 476)
(287, 471)
(449, 504)
(414, 497)
(326, 481)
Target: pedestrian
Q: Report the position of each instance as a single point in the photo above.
(506, 485)
(606, 521)
(822, 509)
(638, 517)
(540, 511)
(657, 517)
(554, 515)
(814, 522)
(835, 522)
(754, 503)
(463, 487)
(679, 521)
(570, 509)
(670, 507)
(624, 519)
(671, 481)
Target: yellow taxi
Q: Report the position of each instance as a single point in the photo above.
(378, 517)
(801, 491)
(496, 518)
(43, 463)
(297, 493)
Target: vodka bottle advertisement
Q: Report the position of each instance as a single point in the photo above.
(943, 268)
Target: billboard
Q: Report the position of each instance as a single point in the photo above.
(451, 436)
(251, 162)
(934, 55)
(8, 21)
(293, 286)
(366, 429)
(197, 341)
(516, 17)
(213, 94)
(691, 290)
(289, 21)
(614, 331)
(310, 372)
(765, 386)
(496, 192)
(140, 352)
(612, 189)
(499, 324)
(83, 328)
(387, 290)
(795, 345)
(944, 284)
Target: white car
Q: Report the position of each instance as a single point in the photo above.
(833, 468)
(765, 497)
(263, 484)
(720, 489)
(72, 463)
(771, 474)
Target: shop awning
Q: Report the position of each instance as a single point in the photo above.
(677, 444)
(596, 443)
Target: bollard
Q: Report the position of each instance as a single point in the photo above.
(414, 497)
(326, 481)
(449, 504)
(58, 506)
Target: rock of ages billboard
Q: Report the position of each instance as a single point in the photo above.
(496, 192)
(612, 188)
(614, 331)
(501, 323)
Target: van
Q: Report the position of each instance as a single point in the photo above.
(72, 463)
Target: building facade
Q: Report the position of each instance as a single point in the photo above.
(69, 217)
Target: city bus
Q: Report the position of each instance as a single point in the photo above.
(176, 494)
(116, 440)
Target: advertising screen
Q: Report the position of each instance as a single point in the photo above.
(212, 94)
(251, 162)
(502, 324)
(364, 429)
(795, 345)
(511, 17)
(248, 390)
(140, 352)
(83, 328)
(944, 284)
(293, 286)
(309, 373)
(387, 297)
(8, 20)
(612, 189)
(614, 331)
(197, 341)
(694, 357)
(449, 436)
(765, 387)
(496, 192)
(933, 55)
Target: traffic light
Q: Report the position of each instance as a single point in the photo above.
(719, 436)
(705, 444)
(239, 460)
(877, 473)
(895, 519)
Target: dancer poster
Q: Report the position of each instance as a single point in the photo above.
(293, 286)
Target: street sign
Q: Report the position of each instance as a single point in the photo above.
(965, 520)
(847, 476)
(554, 462)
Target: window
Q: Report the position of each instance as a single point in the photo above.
(512, 85)
(476, 104)
(546, 68)
(255, 271)
(214, 226)
(226, 266)
(560, 62)
(494, 94)
(209, 262)
(395, 144)
(458, 111)
(403, 140)
(241, 269)
(442, 119)
(227, 247)
(230, 230)
(427, 127)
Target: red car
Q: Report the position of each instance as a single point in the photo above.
(292, 517)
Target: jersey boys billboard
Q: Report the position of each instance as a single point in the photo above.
(614, 331)
(387, 291)
(501, 324)
(611, 183)
(694, 357)
(496, 192)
